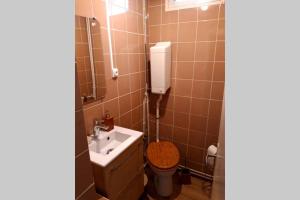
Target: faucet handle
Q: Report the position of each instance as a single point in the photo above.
(98, 122)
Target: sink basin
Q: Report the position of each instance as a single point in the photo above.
(108, 145)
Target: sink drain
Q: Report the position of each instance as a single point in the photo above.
(109, 150)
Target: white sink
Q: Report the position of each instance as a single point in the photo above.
(107, 142)
(108, 145)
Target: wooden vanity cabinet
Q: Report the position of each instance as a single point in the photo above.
(123, 178)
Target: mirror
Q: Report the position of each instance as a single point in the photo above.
(89, 59)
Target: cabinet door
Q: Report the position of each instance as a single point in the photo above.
(125, 169)
(134, 189)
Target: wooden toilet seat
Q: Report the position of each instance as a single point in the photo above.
(163, 155)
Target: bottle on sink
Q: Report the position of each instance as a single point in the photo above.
(108, 121)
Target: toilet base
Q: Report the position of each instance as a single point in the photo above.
(163, 181)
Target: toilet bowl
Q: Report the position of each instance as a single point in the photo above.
(163, 158)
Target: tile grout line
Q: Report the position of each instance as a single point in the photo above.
(190, 99)
(209, 102)
(175, 75)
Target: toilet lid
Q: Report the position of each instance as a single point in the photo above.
(163, 154)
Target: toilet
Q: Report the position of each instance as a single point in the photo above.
(163, 158)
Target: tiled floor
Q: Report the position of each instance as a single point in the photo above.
(200, 189)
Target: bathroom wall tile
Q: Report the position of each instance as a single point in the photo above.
(138, 127)
(220, 51)
(183, 87)
(187, 32)
(222, 11)
(111, 89)
(136, 115)
(154, 15)
(125, 120)
(180, 135)
(203, 70)
(118, 22)
(143, 79)
(189, 14)
(195, 154)
(83, 173)
(77, 93)
(135, 82)
(215, 108)
(154, 2)
(197, 138)
(181, 120)
(122, 63)
(210, 13)
(136, 99)
(104, 40)
(140, 7)
(221, 30)
(165, 132)
(81, 50)
(142, 62)
(84, 36)
(154, 34)
(199, 107)
(213, 126)
(90, 115)
(133, 43)
(140, 25)
(182, 149)
(207, 30)
(185, 51)
(166, 116)
(132, 22)
(77, 35)
(195, 165)
(167, 101)
(125, 104)
(219, 71)
(173, 68)
(205, 51)
(198, 123)
(185, 70)
(201, 89)
(100, 12)
(174, 50)
(123, 84)
(182, 104)
(97, 55)
(132, 5)
(169, 32)
(170, 16)
(134, 63)
(96, 42)
(120, 42)
(80, 133)
(112, 107)
(211, 140)
(217, 90)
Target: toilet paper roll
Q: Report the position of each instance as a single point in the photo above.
(212, 151)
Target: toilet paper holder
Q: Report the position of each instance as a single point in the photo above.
(212, 159)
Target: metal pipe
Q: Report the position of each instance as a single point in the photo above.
(157, 117)
(114, 70)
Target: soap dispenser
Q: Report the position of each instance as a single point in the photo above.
(108, 121)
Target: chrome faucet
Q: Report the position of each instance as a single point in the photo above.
(98, 127)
